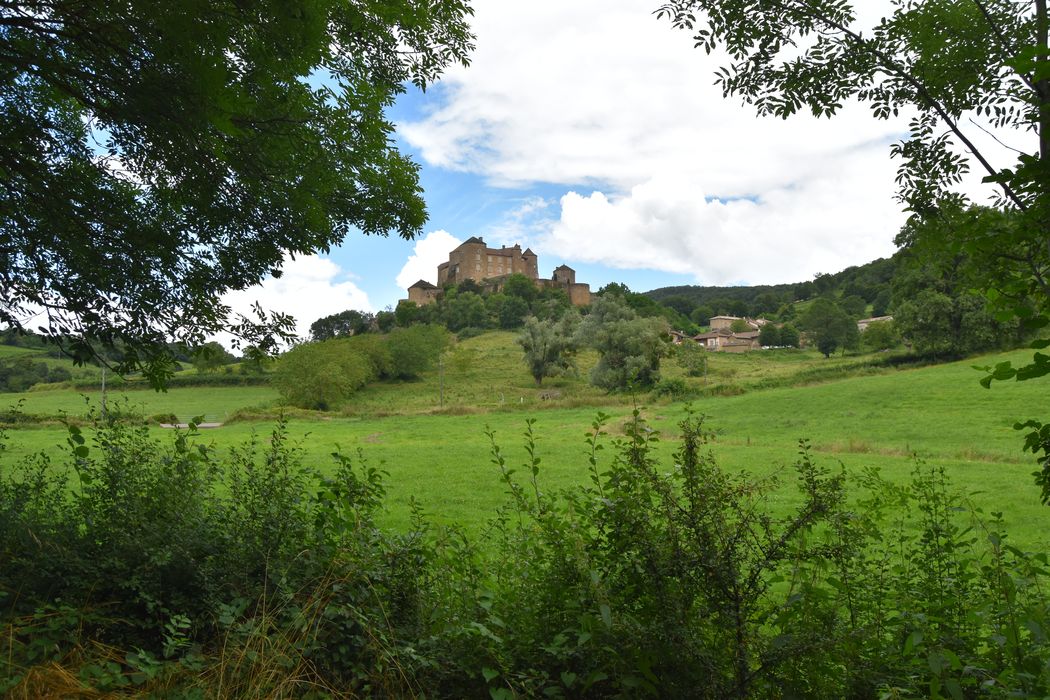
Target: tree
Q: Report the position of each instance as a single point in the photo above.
(769, 335)
(943, 60)
(549, 346)
(940, 314)
(881, 305)
(406, 313)
(946, 62)
(156, 155)
(854, 306)
(344, 323)
(518, 285)
(414, 350)
(466, 310)
(385, 320)
(680, 303)
(513, 312)
(321, 375)
(701, 315)
(692, 357)
(828, 326)
(740, 326)
(789, 336)
(881, 335)
(210, 357)
(629, 346)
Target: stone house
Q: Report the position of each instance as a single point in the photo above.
(725, 340)
(720, 322)
(862, 324)
(423, 292)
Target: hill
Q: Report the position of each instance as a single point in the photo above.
(867, 281)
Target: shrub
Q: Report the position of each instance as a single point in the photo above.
(374, 348)
(671, 388)
(880, 335)
(169, 570)
(322, 375)
(414, 350)
(174, 556)
(692, 357)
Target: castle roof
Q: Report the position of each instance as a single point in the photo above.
(423, 284)
(473, 240)
(564, 267)
(528, 251)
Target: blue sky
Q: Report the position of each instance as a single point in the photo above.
(593, 133)
(467, 204)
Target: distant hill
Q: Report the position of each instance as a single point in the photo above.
(867, 281)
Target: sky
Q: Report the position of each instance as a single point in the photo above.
(593, 132)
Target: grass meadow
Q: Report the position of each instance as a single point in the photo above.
(429, 435)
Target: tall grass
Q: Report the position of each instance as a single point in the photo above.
(131, 566)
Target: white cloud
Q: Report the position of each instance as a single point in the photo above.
(430, 251)
(787, 234)
(600, 93)
(310, 288)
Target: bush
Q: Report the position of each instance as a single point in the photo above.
(322, 375)
(414, 350)
(374, 348)
(169, 553)
(880, 335)
(672, 388)
(136, 568)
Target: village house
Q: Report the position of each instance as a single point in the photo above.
(490, 267)
(862, 324)
(721, 338)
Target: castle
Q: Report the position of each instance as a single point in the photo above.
(490, 267)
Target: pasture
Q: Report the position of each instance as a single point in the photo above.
(429, 435)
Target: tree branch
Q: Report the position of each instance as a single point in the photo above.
(895, 69)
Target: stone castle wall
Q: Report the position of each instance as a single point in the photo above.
(473, 260)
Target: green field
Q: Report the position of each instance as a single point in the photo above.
(869, 416)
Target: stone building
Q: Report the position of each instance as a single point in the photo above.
(489, 267)
(473, 260)
(423, 292)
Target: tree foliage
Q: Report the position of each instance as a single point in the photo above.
(157, 155)
(881, 335)
(769, 335)
(953, 64)
(210, 356)
(828, 326)
(344, 323)
(629, 346)
(549, 346)
(322, 375)
(789, 336)
(414, 350)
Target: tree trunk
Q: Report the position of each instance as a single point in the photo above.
(1042, 86)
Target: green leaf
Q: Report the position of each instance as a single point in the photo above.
(489, 674)
(912, 642)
